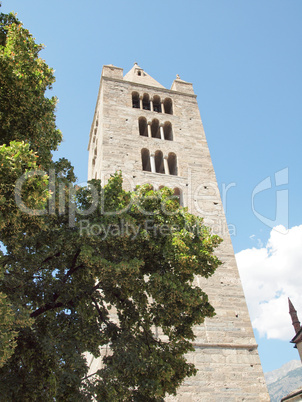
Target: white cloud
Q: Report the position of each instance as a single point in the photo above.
(269, 276)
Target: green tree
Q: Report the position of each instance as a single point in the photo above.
(25, 113)
(88, 267)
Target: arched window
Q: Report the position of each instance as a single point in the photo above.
(143, 127)
(155, 130)
(146, 160)
(168, 106)
(168, 134)
(156, 104)
(172, 163)
(146, 102)
(178, 194)
(135, 100)
(159, 162)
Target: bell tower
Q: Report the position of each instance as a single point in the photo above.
(155, 135)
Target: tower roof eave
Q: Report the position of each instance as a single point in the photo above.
(297, 338)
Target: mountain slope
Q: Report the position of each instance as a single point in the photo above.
(284, 380)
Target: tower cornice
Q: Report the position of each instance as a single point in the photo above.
(155, 89)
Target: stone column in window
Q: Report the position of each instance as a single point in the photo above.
(149, 129)
(166, 166)
(152, 160)
(151, 105)
(162, 107)
(162, 135)
(140, 102)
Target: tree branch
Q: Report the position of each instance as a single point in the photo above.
(52, 306)
(99, 311)
(50, 258)
(73, 267)
(46, 307)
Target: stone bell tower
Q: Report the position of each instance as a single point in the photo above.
(155, 135)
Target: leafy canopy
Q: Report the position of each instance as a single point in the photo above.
(94, 271)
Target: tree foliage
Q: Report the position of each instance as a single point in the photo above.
(25, 113)
(86, 267)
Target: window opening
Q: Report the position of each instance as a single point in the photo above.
(146, 102)
(172, 163)
(159, 162)
(143, 127)
(156, 104)
(168, 134)
(168, 106)
(146, 160)
(155, 130)
(135, 100)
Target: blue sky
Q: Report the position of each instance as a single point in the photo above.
(245, 61)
